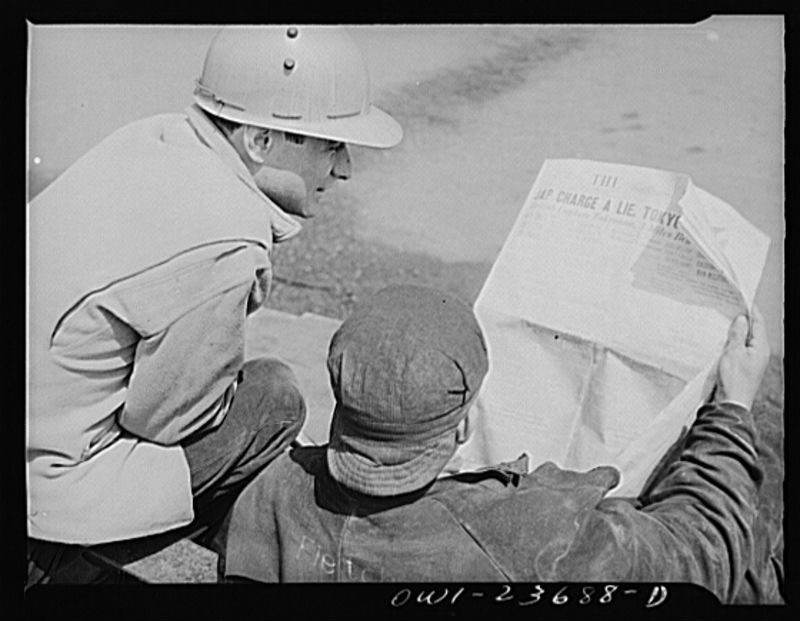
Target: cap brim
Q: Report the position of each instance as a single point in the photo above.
(350, 465)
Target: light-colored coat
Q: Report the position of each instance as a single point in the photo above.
(145, 256)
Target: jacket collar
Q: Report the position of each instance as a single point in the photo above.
(283, 225)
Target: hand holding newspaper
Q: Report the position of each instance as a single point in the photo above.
(605, 314)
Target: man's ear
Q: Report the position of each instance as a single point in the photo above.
(464, 429)
(256, 142)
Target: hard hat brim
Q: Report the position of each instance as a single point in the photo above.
(375, 128)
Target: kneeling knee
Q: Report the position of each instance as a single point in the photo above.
(276, 379)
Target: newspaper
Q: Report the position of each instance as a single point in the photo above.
(605, 314)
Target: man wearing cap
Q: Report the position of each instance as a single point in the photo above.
(146, 256)
(374, 505)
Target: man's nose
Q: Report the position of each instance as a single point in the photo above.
(342, 167)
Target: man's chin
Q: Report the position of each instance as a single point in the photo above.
(304, 210)
(294, 203)
(309, 207)
(312, 204)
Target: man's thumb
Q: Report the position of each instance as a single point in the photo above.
(738, 330)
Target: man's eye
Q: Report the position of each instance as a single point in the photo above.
(295, 138)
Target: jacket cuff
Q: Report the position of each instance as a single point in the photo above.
(735, 403)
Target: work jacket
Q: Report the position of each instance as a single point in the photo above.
(294, 522)
(145, 257)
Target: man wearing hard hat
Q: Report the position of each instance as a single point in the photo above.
(146, 256)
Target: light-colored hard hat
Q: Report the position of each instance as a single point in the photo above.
(309, 80)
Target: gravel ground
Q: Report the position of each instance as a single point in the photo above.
(328, 268)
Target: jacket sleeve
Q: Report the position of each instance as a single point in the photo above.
(697, 523)
(192, 326)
